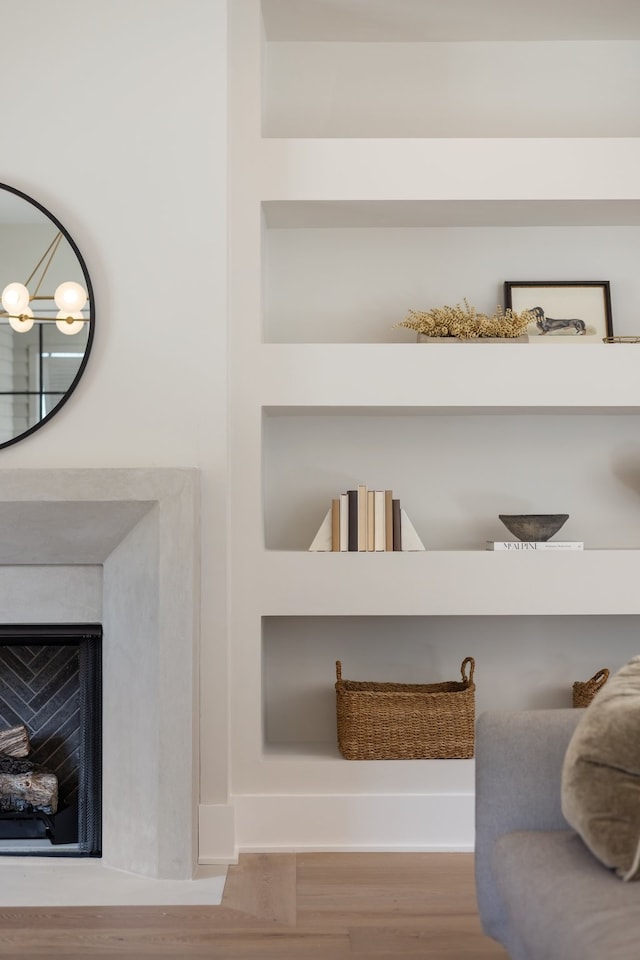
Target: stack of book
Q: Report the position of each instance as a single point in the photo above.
(366, 521)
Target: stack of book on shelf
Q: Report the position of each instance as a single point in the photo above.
(523, 546)
(366, 521)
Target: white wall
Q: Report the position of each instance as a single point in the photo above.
(119, 113)
(479, 89)
(355, 284)
(455, 473)
(521, 663)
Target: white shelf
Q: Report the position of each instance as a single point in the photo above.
(477, 169)
(457, 376)
(451, 583)
(324, 770)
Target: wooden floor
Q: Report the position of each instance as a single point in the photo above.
(314, 906)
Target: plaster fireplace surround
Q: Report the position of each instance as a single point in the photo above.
(120, 547)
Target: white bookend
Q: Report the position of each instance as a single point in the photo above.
(410, 539)
(322, 540)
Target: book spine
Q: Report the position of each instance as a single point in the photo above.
(397, 525)
(335, 525)
(362, 517)
(379, 522)
(388, 520)
(344, 522)
(370, 520)
(353, 519)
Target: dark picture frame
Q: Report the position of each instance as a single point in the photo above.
(575, 311)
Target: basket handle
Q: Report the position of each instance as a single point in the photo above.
(600, 678)
(338, 671)
(468, 662)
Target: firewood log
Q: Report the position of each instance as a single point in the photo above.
(26, 787)
(14, 741)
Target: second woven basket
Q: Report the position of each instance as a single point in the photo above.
(585, 691)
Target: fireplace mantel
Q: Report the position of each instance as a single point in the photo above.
(131, 534)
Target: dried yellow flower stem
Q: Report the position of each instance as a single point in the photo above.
(467, 323)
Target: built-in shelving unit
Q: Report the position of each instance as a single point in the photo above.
(365, 180)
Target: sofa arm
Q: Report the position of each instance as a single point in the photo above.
(519, 758)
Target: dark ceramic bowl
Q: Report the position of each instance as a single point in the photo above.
(533, 526)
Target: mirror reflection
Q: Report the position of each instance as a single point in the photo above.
(46, 317)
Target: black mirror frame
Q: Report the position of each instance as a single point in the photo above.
(92, 313)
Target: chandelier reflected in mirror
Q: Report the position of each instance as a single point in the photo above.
(22, 307)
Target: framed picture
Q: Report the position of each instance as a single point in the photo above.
(576, 311)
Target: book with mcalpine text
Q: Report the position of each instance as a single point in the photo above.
(522, 546)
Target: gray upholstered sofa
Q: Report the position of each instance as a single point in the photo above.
(540, 891)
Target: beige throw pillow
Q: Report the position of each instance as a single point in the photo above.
(601, 774)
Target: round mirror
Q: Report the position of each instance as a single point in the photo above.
(46, 316)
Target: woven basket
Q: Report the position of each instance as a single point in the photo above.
(584, 692)
(406, 721)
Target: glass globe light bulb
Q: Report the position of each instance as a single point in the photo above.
(70, 296)
(15, 298)
(69, 323)
(23, 321)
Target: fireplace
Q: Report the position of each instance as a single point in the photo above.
(51, 716)
(119, 547)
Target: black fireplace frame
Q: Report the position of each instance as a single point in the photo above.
(61, 828)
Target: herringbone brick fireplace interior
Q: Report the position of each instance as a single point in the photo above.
(50, 679)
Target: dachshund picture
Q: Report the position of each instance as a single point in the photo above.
(549, 325)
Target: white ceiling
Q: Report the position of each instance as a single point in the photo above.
(424, 20)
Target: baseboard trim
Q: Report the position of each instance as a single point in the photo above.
(372, 823)
(216, 834)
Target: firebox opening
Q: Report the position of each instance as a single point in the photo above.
(51, 740)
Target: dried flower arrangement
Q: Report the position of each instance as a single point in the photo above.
(467, 323)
